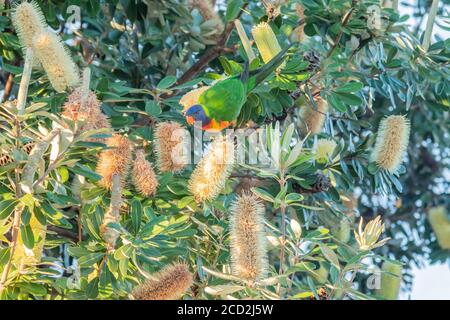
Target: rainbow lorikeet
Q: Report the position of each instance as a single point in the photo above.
(219, 106)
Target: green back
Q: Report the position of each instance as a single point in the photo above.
(224, 100)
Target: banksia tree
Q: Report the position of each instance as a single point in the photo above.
(266, 41)
(247, 238)
(169, 284)
(143, 175)
(56, 61)
(170, 141)
(213, 170)
(391, 279)
(391, 143)
(311, 119)
(115, 160)
(440, 223)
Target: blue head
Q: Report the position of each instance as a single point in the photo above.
(197, 113)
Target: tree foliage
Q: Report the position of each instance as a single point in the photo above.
(143, 57)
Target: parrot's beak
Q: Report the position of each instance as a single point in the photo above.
(190, 120)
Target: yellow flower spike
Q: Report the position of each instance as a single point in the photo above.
(391, 142)
(368, 239)
(248, 239)
(391, 279)
(324, 150)
(170, 142)
(168, 284)
(56, 61)
(213, 170)
(266, 41)
(29, 21)
(441, 226)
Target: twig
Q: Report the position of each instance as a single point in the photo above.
(344, 23)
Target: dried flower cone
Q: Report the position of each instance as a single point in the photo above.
(266, 41)
(143, 175)
(29, 21)
(206, 9)
(91, 114)
(169, 143)
(115, 160)
(441, 226)
(213, 170)
(312, 120)
(391, 143)
(169, 284)
(247, 238)
(391, 280)
(56, 61)
(27, 257)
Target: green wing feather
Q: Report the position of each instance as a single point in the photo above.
(224, 100)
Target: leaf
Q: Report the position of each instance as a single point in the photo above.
(7, 207)
(263, 194)
(223, 289)
(27, 236)
(152, 108)
(33, 288)
(136, 215)
(350, 87)
(4, 255)
(330, 255)
(89, 259)
(350, 99)
(85, 172)
(233, 8)
(124, 252)
(296, 229)
(166, 82)
(221, 275)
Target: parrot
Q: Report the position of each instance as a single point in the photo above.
(219, 106)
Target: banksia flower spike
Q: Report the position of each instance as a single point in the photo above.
(168, 284)
(91, 113)
(441, 226)
(312, 120)
(213, 170)
(55, 58)
(391, 142)
(391, 279)
(144, 177)
(191, 97)
(170, 142)
(115, 160)
(247, 238)
(29, 21)
(266, 41)
(324, 150)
